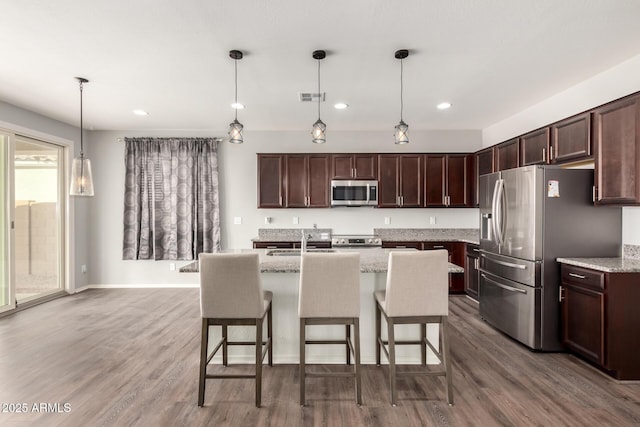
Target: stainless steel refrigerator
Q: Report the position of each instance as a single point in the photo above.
(529, 217)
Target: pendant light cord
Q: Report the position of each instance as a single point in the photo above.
(235, 62)
(81, 128)
(401, 98)
(319, 94)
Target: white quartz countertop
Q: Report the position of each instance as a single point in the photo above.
(372, 260)
(608, 265)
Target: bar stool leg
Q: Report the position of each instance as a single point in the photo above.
(347, 339)
(392, 360)
(356, 333)
(446, 360)
(225, 338)
(423, 345)
(204, 344)
(378, 333)
(302, 361)
(270, 334)
(258, 362)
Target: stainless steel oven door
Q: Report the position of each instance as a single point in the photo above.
(511, 307)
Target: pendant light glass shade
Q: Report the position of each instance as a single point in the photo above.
(401, 134)
(235, 132)
(317, 132)
(235, 127)
(81, 178)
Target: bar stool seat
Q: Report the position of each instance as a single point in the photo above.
(417, 292)
(330, 295)
(231, 294)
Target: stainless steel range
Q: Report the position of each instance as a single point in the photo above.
(356, 241)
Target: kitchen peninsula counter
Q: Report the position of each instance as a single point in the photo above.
(372, 260)
(465, 235)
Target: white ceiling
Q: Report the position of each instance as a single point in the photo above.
(490, 58)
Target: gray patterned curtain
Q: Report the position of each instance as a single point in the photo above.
(171, 198)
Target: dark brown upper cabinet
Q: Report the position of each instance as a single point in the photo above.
(400, 180)
(534, 147)
(354, 166)
(507, 155)
(571, 139)
(616, 133)
(446, 180)
(485, 161)
(307, 181)
(270, 180)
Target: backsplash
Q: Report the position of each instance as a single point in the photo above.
(631, 251)
(290, 234)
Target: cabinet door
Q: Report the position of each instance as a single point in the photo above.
(472, 181)
(471, 276)
(365, 166)
(411, 181)
(583, 322)
(342, 166)
(485, 161)
(507, 155)
(273, 245)
(534, 147)
(435, 180)
(270, 180)
(296, 181)
(388, 180)
(617, 142)
(571, 139)
(318, 181)
(457, 194)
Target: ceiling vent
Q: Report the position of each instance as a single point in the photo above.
(311, 96)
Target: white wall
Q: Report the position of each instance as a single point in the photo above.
(238, 195)
(614, 83)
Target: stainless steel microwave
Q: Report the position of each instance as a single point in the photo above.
(354, 193)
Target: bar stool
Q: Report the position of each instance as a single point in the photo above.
(230, 295)
(417, 292)
(330, 295)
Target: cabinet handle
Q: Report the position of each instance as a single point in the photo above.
(577, 276)
(594, 192)
(544, 154)
(401, 200)
(272, 247)
(438, 247)
(551, 153)
(475, 250)
(561, 294)
(280, 200)
(476, 263)
(353, 172)
(400, 247)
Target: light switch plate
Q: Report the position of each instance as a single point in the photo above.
(387, 220)
(237, 220)
(432, 220)
(172, 266)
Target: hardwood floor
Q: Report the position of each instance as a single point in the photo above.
(130, 357)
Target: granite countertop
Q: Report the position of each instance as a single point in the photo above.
(373, 260)
(291, 234)
(466, 235)
(608, 265)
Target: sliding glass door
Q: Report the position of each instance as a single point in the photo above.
(31, 223)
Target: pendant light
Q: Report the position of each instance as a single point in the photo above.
(402, 129)
(81, 179)
(235, 127)
(319, 127)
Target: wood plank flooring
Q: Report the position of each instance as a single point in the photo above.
(127, 357)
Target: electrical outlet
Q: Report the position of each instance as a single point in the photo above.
(237, 220)
(172, 266)
(432, 220)
(387, 220)
(267, 220)
(296, 220)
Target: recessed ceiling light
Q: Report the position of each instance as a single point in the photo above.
(444, 105)
(237, 106)
(340, 106)
(140, 113)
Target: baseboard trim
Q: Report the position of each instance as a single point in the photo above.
(142, 286)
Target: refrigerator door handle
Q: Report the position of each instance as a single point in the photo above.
(493, 215)
(500, 209)
(505, 287)
(507, 264)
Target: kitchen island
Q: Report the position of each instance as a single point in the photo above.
(280, 274)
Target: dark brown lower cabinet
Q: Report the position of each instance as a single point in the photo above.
(291, 245)
(601, 320)
(471, 272)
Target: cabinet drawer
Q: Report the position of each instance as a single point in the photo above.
(582, 277)
(402, 245)
(438, 245)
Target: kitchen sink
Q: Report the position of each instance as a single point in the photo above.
(295, 252)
